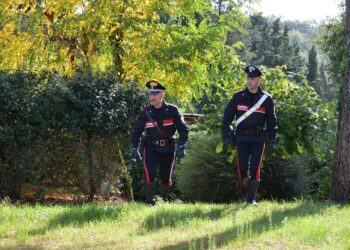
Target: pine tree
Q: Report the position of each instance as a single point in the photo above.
(312, 66)
(325, 90)
(297, 62)
(276, 42)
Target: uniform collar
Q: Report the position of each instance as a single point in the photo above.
(258, 92)
(165, 105)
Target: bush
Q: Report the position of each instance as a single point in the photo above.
(204, 175)
(286, 178)
(298, 176)
(64, 131)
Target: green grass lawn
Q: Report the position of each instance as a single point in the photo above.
(292, 225)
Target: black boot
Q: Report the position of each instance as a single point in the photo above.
(150, 193)
(252, 191)
(243, 189)
(165, 192)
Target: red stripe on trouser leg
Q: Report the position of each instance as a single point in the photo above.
(257, 176)
(239, 170)
(145, 166)
(170, 181)
(238, 167)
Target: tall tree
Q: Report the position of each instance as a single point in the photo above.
(312, 66)
(340, 190)
(136, 40)
(269, 45)
(276, 41)
(333, 44)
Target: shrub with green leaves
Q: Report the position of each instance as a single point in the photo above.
(18, 131)
(205, 175)
(60, 130)
(297, 176)
(303, 119)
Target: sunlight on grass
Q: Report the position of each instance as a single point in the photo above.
(272, 225)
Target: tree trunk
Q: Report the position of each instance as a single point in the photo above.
(91, 171)
(340, 191)
(125, 173)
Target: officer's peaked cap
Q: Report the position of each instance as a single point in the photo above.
(154, 86)
(252, 71)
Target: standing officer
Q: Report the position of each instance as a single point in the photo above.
(255, 126)
(160, 120)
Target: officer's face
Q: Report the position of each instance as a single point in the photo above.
(156, 99)
(253, 83)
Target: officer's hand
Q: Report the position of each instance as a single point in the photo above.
(180, 151)
(135, 154)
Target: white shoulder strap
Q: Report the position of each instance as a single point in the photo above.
(251, 110)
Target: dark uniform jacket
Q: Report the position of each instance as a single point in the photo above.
(263, 119)
(168, 119)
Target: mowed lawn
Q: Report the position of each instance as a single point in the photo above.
(301, 224)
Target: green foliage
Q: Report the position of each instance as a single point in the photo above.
(302, 33)
(137, 174)
(332, 42)
(63, 131)
(204, 175)
(312, 66)
(324, 85)
(17, 131)
(298, 176)
(302, 117)
(173, 42)
(100, 105)
(266, 44)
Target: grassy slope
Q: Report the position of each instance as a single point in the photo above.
(271, 225)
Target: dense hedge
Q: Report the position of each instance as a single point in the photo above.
(205, 175)
(64, 131)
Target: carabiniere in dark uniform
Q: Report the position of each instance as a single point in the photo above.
(160, 124)
(252, 134)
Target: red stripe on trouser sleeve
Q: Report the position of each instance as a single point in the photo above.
(145, 166)
(257, 176)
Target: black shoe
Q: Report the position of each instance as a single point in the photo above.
(243, 183)
(252, 191)
(165, 192)
(150, 193)
(152, 202)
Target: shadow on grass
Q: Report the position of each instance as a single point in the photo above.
(80, 215)
(23, 247)
(254, 228)
(169, 217)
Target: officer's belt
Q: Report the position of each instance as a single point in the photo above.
(161, 142)
(254, 132)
